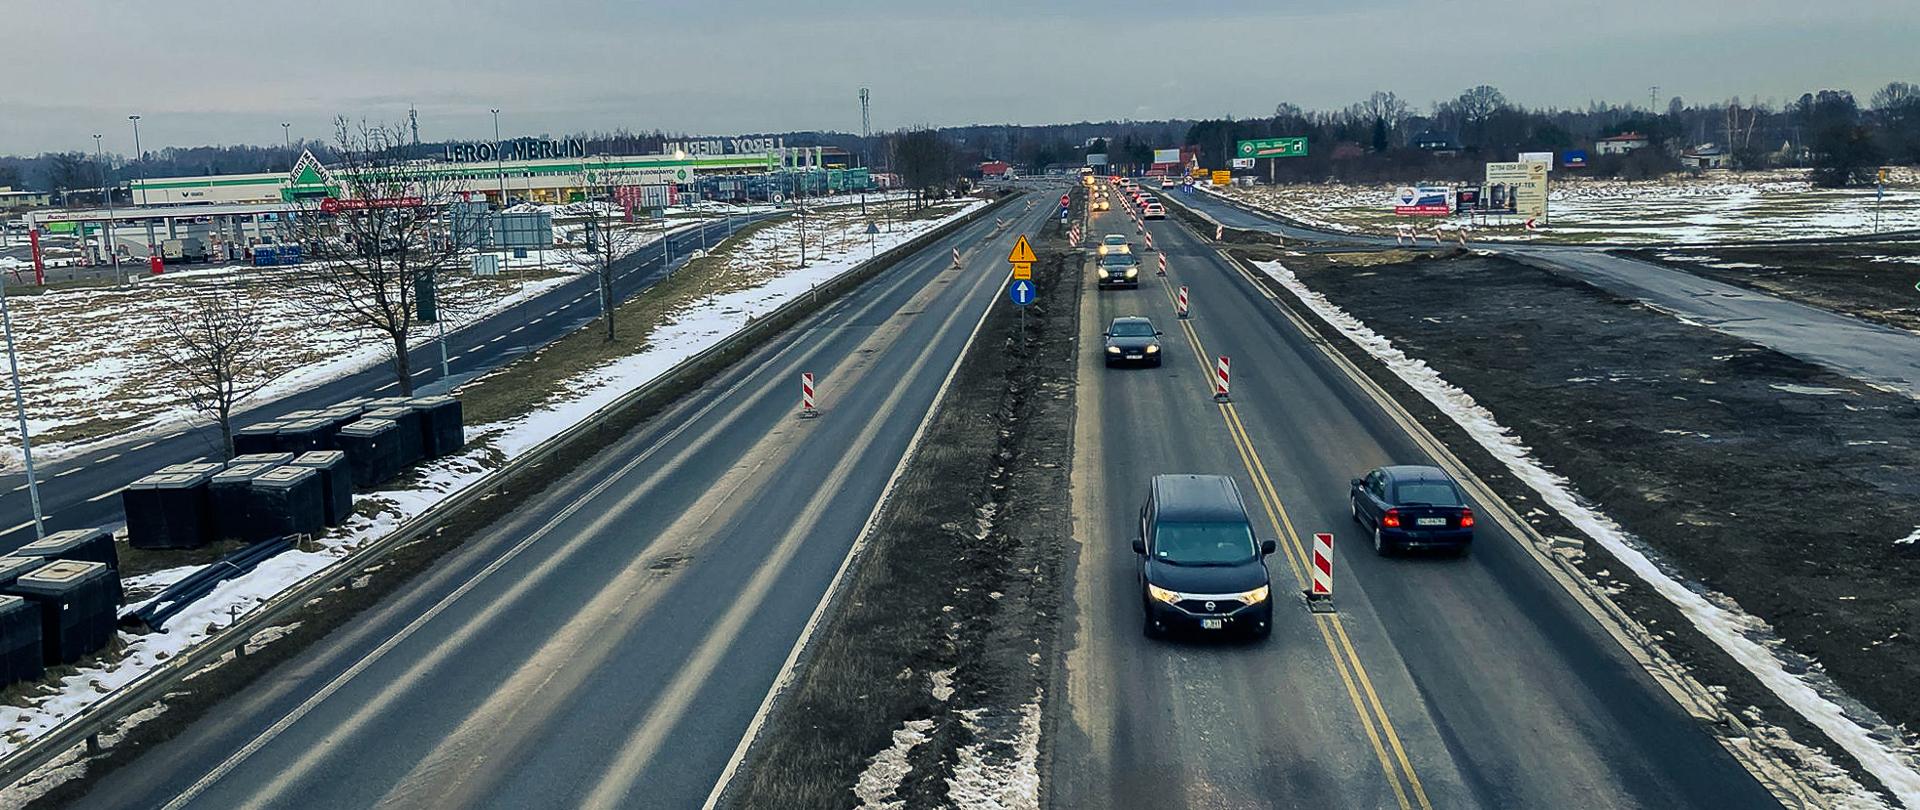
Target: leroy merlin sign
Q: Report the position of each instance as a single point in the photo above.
(1272, 148)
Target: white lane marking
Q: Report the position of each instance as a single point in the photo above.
(475, 349)
(385, 387)
(515, 329)
(141, 446)
(427, 370)
(498, 339)
(106, 458)
(69, 471)
(534, 321)
(551, 312)
(105, 495)
(21, 487)
(18, 528)
(176, 434)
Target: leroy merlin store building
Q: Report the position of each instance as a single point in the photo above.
(482, 171)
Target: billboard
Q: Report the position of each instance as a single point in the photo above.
(1575, 159)
(1423, 201)
(1538, 157)
(1526, 185)
(1243, 163)
(1166, 156)
(1271, 147)
(1097, 160)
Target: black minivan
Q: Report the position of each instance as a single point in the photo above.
(1201, 567)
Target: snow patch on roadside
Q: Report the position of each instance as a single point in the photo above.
(878, 784)
(1880, 749)
(1002, 771)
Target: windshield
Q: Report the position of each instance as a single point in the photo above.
(1120, 259)
(1132, 329)
(1116, 239)
(1203, 543)
(1432, 493)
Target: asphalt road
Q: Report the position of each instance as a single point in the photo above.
(609, 644)
(1440, 682)
(83, 491)
(1865, 351)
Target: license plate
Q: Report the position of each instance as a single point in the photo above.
(1133, 357)
(1430, 521)
(1212, 624)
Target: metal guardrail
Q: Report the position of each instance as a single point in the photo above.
(82, 727)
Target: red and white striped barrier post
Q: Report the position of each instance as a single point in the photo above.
(1163, 265)
(1219, 233)
(1180, 302)
(1220, 380)
(1150, 241)
(807, 411)
(1137, 227)
(1320, 592)
(956, 257)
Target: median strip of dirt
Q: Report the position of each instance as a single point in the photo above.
(1764, 478)
(923, 686)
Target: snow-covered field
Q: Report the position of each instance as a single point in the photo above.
(1881, 750)
(1719, 207)
(693, 329)
(89, 370)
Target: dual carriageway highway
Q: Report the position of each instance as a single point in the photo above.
(613, 641)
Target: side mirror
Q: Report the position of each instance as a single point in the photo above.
(1267, 547)
(1106, 334)
(1354, 482)
(1139, 546)
(1157, 333)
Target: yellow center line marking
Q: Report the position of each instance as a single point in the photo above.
(1346, 657)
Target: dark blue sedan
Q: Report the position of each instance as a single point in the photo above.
(1409, 507)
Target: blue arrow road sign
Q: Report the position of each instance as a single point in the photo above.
(1021, 292)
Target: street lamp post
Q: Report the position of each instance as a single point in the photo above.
(286, 136)
(20, 410)
(100, 155)
(499, 167)
(141, 155)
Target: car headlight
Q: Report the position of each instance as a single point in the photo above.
(1162, 594)
(1131, 272)
(1103, 272)
(1153, 348)
(1113, 350)
(1256, 596)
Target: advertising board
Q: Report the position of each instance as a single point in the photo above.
(1097, 160)
(1243, 163)
(1166, 156)
(1526, 185)
(1423, 201)
(1538, 157)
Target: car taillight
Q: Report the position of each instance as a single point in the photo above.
(1466, 517)
(1391, 519)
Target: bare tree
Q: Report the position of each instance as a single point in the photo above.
(216, 355)
(375, 246)
(1385, 107)
(606, 238)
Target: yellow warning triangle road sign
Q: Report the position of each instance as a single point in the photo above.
(1022, 252)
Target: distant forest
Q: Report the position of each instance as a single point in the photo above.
(1843, 139)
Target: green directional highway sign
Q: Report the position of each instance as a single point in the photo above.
(1272, 148)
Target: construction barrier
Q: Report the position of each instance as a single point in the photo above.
(807, 411)
(1220, 379)
(956, 257)
(1320, 592)
(1180, 302)
(1163, 264)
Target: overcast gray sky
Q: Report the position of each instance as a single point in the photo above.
(200, 71)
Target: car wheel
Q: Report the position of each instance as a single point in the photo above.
(1353, 508)
(1380, 545)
